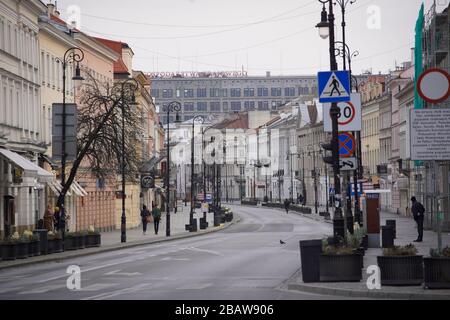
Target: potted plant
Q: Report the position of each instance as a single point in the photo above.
(71, 241)
(356, 240)
(437, 269)
(401, 266)
(35, 245)
(8, 248)
(55, 242)
(93, 238)
(23, 247)
(339, 263)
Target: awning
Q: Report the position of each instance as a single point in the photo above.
(30, 169)
(75, 188)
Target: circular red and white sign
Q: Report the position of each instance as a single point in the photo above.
(433, 85)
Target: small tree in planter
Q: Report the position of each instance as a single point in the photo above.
(437, 269)
(55, 242)
(339, 263)
(93, 238)
(401, 266)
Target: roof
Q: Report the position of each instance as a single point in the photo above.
(116, 46)
(236, 121)
(60, 21)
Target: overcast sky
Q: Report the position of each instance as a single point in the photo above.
(257, 35)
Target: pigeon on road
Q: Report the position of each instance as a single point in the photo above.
(282, 242)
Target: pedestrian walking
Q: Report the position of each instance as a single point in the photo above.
(145, 214)
(49, 219)
(156, 213)
(287, 204)
(419, 214)
(56, 219)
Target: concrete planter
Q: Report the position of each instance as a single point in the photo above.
(55, 246)
(34, 248)
(401, 270)
(23, 250)
(436, 273)
(81, 241)
(93, 240)
(70, 243)
(341, 268)
(249, 203)
(8, 251)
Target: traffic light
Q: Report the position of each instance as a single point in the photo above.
(328, 159)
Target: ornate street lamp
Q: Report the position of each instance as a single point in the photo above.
(172, 107)
(199, 120)
(71, 56)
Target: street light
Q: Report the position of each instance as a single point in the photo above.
(72, 55)
(133, 86)
(200, 120)
(173, 106)
(314, 173)
(338, 221)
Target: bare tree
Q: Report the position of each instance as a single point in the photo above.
(99, 132)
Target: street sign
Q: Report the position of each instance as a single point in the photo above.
(350, 115)
(347, 145)
(57, 131)
(334, 86)
(433, 85)
(348, 164)
(147, 182)
(429, 131)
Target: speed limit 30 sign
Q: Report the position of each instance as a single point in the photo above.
(350, 115)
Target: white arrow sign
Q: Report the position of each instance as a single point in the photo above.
(348, 164)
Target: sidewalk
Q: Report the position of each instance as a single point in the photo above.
(111, 240)
(406, 234)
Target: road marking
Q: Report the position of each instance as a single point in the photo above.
(108, 295)
(195, 286)
(43, 289)
(98, 286)
(203, 250)
(175, 259)
(126, 274)
(5, 290)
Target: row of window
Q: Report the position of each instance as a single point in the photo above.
(233, 92)
(216, 106)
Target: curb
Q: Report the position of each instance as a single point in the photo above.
(366, 293)
(86, 252)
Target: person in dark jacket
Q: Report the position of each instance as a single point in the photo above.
(287, 204)
(156, 213)
(144, 215)
(418, 213)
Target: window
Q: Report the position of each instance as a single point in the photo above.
(289, 92)
(188, 106)
(188, 93)
(154, 93)
(303, 91)
(263, 92)
(263, 105)
(249, 105)
(201, 93)
(215, 106)
(225, 106)
(249, 92)
(214, 93)
(275, 92)
(202, 106)
(167, 93)
(224, 92)
(235, 106)
(235, 92)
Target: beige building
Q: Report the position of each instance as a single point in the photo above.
(22, 136)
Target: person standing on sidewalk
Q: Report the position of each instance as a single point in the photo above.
(156, 213)
(287, 204)
(418, 213)
(144, 215)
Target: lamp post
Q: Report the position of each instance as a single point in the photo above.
(133, 86)
(172, 107)
(72, 55)
(314, 173)
(326, 30)
(200, 120)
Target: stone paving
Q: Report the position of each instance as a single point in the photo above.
(112, 240)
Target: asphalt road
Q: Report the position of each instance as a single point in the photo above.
(245, 262)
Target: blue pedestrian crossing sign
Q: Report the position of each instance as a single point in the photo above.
(334, 86)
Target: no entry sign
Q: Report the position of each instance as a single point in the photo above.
(433, 85)
(349, 116)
